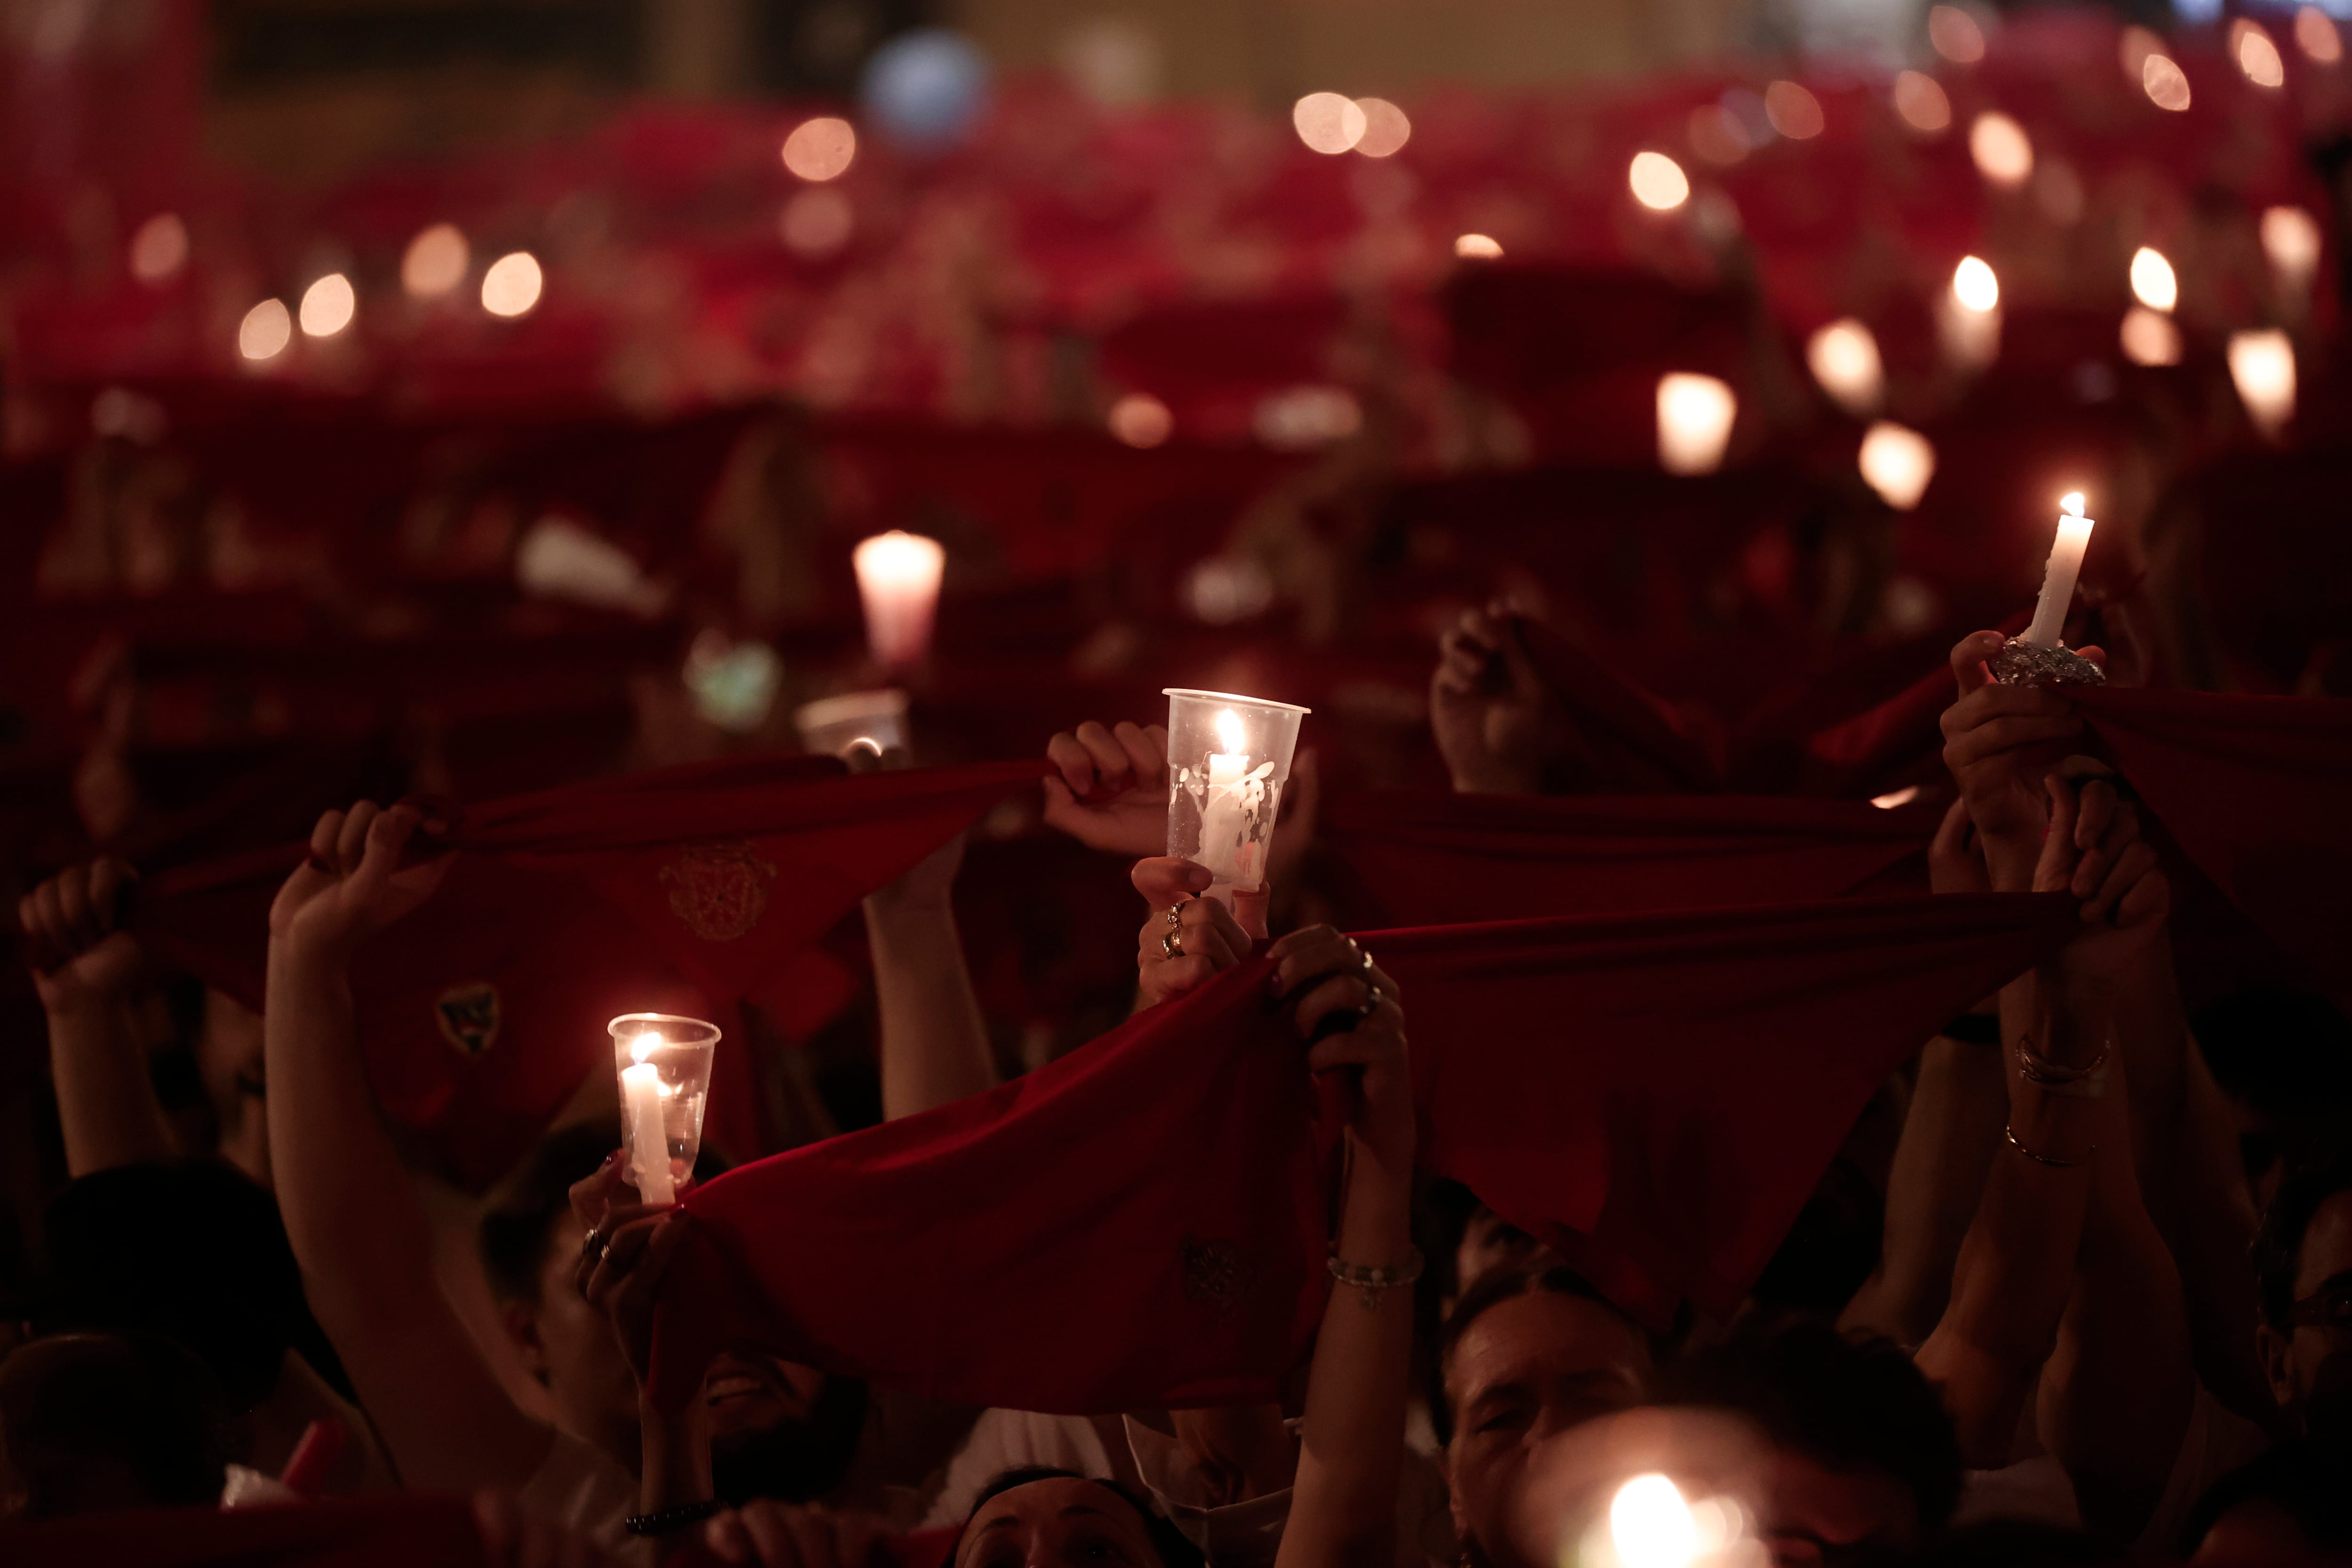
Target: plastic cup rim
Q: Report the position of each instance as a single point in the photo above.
(1234, 696)
(716, 1034)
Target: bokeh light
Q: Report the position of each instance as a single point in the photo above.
(2262, 366)
(1658, 182)
(2152, 283)
(1974, 285)
(435, 261)
(1793, 111)
(328, 306)
(1301, 418)
(821, 149)
(1897, 461)
(2002, 151)
(1139, 419)
(2291, 244)
(1651, 1525)
(1920, 99)
(1955, 35)
(2256, 55)
(925, 88)
(511, 286)
(2166, 84)
(1477, 248)
(266, 330)
(1695, 419)
(1329, 122)
(1844, 358)
(817, 223)
(1386, 129)
(159, 249)
(2148, 337)
(2315, 36)
(1717, 135)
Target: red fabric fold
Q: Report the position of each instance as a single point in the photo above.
(1427, 858)
(1655, 1095)
(1139, 1224)
(1625, 738)
(2258, 791)
(406, 1530)
(689, 889)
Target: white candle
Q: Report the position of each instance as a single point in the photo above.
(1224, 846)
(898, 579)
(641, 1090)
(2058, 577)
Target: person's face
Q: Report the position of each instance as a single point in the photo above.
(1056, 1523)
(1529, 1368)
(1814, 1515)
(749, 1392)
(1490, 1242)
(569, 1346)
(2310, 1365)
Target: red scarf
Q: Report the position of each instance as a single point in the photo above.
(1143, 1223)
(687, 889)
(1431, 859)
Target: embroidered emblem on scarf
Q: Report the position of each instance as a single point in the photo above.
(469, 1016)
(1216, 1273)
(718, 890)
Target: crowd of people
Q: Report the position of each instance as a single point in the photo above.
(2107, 1311)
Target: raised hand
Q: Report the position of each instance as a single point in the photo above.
(1337, 991)
(353, 885)
(1955, 860)
(2094, 852)
(1488, 707)
(2000, 741)
(625, 1245)
(80, 957)
(1173, 956)
(1112, 792)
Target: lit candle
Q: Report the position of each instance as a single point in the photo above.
(1228, 758)
(1695, 417)
(2058, 577)
(898, 579)
(1226, 847)
(641, 1094)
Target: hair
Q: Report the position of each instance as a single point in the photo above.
(73, 1407)
(515, 1227)
(2303, 1480)
(189, 1251)
(1172, 1545)
(1496, 1287)
(1850, 1403)
(2278, 1243)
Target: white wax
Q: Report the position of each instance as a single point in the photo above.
(641, 1095)
(899, 581)
(1221, 819)
(2058, 580)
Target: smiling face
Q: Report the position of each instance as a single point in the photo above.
(1058, 1523)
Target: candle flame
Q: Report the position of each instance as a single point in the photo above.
(1231, 735)
(646, 1045)
(2071, 503)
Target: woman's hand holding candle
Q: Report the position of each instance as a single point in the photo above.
(1174, 957)
(1999, 741)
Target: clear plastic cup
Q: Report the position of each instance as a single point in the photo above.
(664, 1062)
(1228, 758)
(834, 726)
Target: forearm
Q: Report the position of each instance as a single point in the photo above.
(366, 1253)
(106, 1102)
(1949, 1139)
(1343, 1508)
(934, 1047)
(675, 1449)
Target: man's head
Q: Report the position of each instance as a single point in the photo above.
(95, 1422)
(777, 1430)
(2290, 1506)
(1526, 1355)
(189, 1251)
(2303, 1258)
(1863, 1456)
(2284, 1059)
(1039, 1516)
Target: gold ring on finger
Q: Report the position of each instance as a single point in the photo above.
(1171, 945)
(1174, 914)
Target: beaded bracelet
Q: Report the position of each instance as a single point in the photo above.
(662, 1520)
(1369, 1281)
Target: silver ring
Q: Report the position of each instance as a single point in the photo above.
(1169, 946)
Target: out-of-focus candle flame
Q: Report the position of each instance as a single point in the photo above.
(1695, 419)
(2002, 150)
(1974, 284)
(2148, 337)
(328, 306)
(2166, 84)
(1658, 182)
(1895, 797)
(1329, 122)
(1955, 35)
(1651, 1525)
(1477, 248)
(435, 261)
(2153, 282)
(1843, 357)
(2291, 244)
(2261, 364)
(511, 286)
(2315, 36)
(266, 330)
(160, 248)
(821, 149)
(2256, 55)
(1897, 462)
(1920, 99)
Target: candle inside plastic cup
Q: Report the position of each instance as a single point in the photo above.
(1228, 758)
(664, 1062)
(834, 726)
